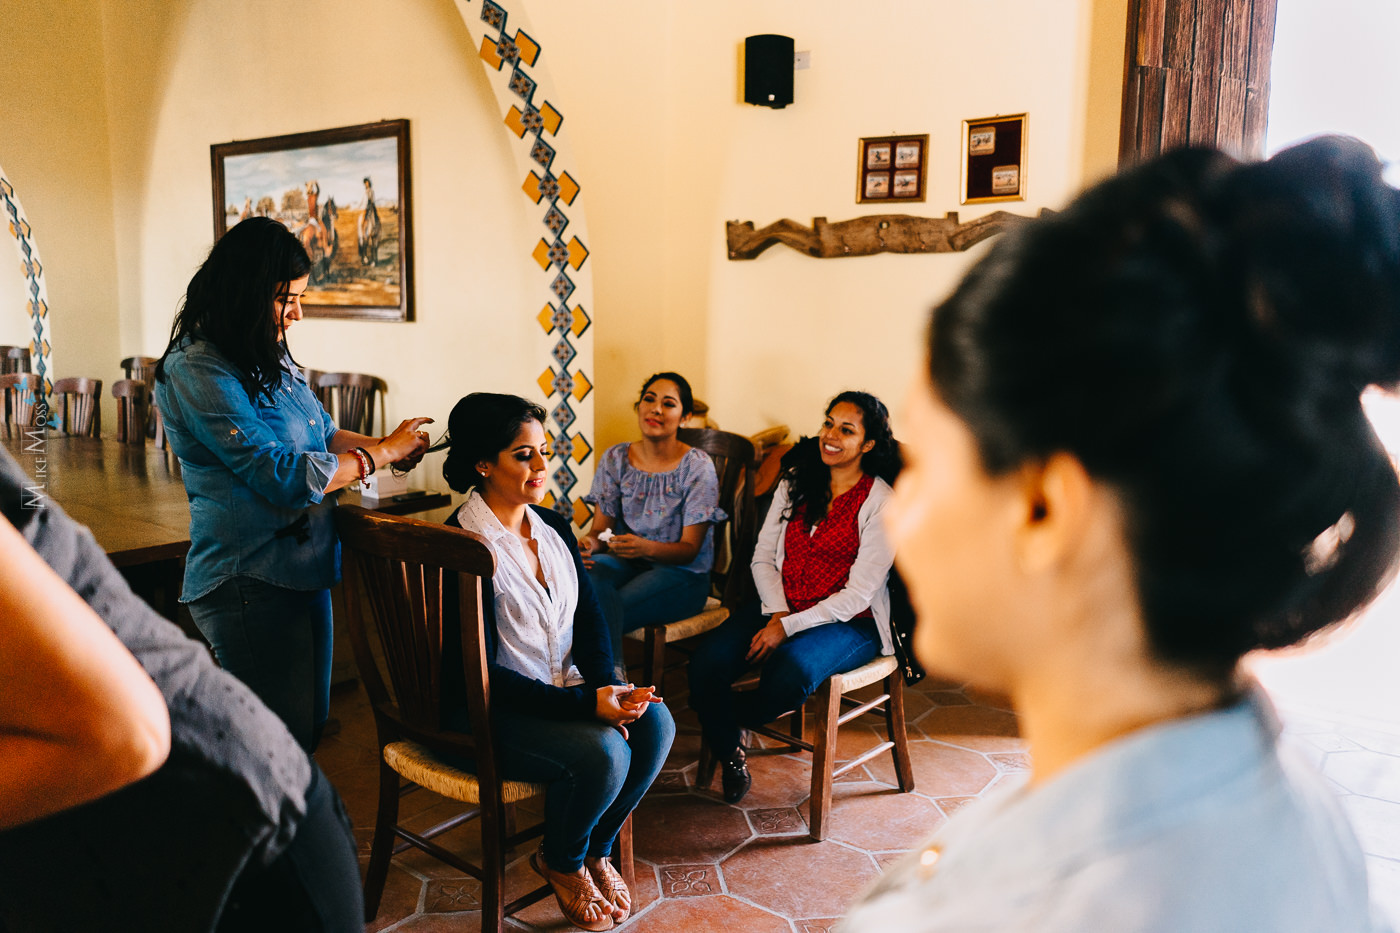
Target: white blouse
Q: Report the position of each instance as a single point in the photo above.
(866, 585)
(534, 622)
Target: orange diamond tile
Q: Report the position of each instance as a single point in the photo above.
(5, 187)
(532, 187)
(568, 188)
(581, 448)
(546, 381)
(541, 254)
(552, 117)
(514, 121)
(581, 387)
(488, 53)
(577, 252)
(549, 499)
(581, 321)
(582, 513)
(529, 48)
(546, 317)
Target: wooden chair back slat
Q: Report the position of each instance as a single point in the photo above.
(350, 400)
(133, 409)
(79, 404)
(735, 462)
(21, 393)
(14, 360)
(396, 569)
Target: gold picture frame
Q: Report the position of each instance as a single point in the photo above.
(892, 168)
(994, 159)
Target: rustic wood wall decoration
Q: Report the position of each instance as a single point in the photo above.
(866, 236)
(1198, 74)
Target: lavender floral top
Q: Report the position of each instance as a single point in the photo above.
(658, 506)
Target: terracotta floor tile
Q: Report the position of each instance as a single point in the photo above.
(719, 914)
(947, 698)
(402, 893)
(940, 770)
(689, 880)
(685, 750)
(986, 698)
(451, 895)
(824, 925)
(335, 755)
(778, 821)
(670, 782)
(951, 805)
(778, 781)
(1364, 773)
(881, 821)
(976, 727)
(686, 830)
(645, 888)
(1011, 761)
(795, 877)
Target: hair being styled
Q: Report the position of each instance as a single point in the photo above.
(481, 426)
(1197, 333)
(809, 479)
(231, 300)
(687, 399)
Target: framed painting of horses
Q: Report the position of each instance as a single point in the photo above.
(345, 194)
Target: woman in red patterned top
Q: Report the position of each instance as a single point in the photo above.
(820, 569)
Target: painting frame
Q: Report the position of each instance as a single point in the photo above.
(903, 163)
(994, 155)
(362, 252)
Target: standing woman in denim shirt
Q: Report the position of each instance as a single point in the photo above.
(259, 455)
(658, 498)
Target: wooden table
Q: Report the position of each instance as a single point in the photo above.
(132, 496)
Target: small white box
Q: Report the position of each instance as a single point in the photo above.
(384, 484)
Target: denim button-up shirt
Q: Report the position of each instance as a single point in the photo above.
(255, 472)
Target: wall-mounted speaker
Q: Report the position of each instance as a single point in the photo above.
(768, 70)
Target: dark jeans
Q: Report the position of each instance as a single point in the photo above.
(313, 886)
(595, 776)
(794, 670)
(634, 593)
(278, 642)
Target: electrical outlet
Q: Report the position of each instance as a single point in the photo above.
(801, 61)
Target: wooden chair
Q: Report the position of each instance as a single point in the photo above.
(350, 397)
(398, 572)
(141, 367)
(21, 394)
(830, 697)
(14, 360)
(79, 404)
(133, 410)
(734, 537)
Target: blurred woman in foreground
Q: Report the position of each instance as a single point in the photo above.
(1138, 453)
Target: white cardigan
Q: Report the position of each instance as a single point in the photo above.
(866, 585)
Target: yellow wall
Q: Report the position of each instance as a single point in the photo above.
(665, 151)
(53, 148)
(671, 153)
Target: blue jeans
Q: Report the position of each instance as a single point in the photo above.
(794, 670)
(634, 593)
(595, 776)
(278, 642)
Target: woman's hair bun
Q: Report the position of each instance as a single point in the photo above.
(1310, 243)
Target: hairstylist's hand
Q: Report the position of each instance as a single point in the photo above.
(589, 545)
(609, 708)
(405, 447)
(767, 638)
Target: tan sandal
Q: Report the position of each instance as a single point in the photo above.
(575, 894)
(611, 886)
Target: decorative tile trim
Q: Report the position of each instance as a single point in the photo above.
(37, 295)
(563, 382)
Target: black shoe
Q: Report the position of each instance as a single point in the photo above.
(735, 777)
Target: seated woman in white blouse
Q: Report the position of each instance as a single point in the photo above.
(563, 719)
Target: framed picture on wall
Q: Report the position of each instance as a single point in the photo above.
(994, 159)
(906, 155)
(345, 194)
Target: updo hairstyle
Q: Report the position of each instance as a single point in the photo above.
(1197, 332)
(481, 426)
(687, 399)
